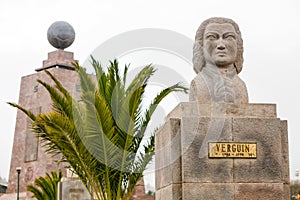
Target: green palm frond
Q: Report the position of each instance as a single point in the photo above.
(101, 135)
(27, 112)
(45, 188)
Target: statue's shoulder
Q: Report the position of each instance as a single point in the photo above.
(239, 82)
(199, 88)
(240, 90)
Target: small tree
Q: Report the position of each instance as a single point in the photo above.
(45, 188)
(100, 136)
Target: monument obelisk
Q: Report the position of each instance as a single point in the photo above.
(27, 154)
(218, 145)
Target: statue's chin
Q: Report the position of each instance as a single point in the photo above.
(224, 64)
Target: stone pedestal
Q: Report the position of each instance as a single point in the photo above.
(58, 58)
(185, 171)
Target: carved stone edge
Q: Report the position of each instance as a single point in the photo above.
(228, 110)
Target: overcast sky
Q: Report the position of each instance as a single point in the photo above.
(270, 30)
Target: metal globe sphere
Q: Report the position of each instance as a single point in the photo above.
(61, 34)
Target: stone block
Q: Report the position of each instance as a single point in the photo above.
(286, 191)
(164, 193)
(267, 167)
(196, 166)
(208, 191)
(168, 154)
(171, 192)
(285, 151)
(265, 191)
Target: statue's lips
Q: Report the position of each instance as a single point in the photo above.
(221, 54)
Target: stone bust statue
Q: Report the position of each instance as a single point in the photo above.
(217, 59)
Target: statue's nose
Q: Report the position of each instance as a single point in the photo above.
(221, 45)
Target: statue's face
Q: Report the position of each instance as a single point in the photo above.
(220, 44)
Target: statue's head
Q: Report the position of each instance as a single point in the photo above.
(218, 40)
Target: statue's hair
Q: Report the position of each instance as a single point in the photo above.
(198, 58)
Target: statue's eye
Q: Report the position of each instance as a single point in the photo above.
(211, 37)
(230, 37)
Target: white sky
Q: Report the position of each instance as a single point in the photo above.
(270, 30)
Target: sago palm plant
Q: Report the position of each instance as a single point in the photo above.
(100, 135)
(45, 188)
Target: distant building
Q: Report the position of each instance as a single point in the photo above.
(3, 186)
(139, 192)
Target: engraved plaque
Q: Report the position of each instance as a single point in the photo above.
(31, 141)
(29, 174)
(231, 150)
(72, 189)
